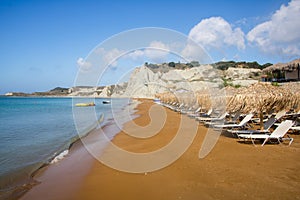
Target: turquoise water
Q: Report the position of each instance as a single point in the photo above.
(34, 130)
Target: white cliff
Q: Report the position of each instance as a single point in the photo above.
(145, 81)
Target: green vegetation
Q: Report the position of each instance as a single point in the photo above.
(225, 65)
(226, 82)
(174, 65)
(237, 86)
(171, 64)
(275, 84)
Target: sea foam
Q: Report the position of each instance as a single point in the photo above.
(59, 156)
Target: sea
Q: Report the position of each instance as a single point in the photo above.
(37, 131)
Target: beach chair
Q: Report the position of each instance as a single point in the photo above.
(198, 114)
(234, 118)
(278, 134)
(295, 128)
(267, 125)
(194, 112)
(294, 114)
(210, 119)
(243, 123)
(179, 108)
(190, 110)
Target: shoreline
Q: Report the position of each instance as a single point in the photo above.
(232, 170)
(23, 186)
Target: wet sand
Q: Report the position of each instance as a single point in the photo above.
(232, 170)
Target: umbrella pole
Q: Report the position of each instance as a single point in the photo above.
(261, 119)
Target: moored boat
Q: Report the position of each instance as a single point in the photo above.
(85, 104)
(106, 102)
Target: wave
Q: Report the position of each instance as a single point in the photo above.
(60, 156)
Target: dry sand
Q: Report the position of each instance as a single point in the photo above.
(232, 170)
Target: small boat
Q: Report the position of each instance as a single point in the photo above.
(106, 102)
(85, 104)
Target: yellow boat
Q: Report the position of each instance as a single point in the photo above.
(85, 104)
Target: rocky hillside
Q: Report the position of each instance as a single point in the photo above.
(150, 79)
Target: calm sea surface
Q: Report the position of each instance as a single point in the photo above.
(35, 130)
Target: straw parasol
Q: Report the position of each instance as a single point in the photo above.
(213, 98)
(167, 97)
(263, 97)
(290, 66)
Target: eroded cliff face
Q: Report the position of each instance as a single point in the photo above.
(145, 82)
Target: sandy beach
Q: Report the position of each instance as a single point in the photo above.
(232, 170)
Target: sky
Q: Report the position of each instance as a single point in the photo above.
(44, 44)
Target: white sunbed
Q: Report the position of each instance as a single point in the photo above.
(277, 134)
(190, 110)
(207, 114)
(267, 125)
(241, 124)
(234, 118)
(295, 128)
(211, 119)
(193, 112)
(294, 114)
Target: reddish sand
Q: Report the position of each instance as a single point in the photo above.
(232, 170)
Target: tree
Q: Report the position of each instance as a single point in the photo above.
(171, 64)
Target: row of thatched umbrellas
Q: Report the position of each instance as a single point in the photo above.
(258, 98)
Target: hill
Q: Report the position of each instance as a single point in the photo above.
(150, 79)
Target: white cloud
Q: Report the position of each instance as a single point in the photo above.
(136, 54)
(281, 34)
(157, 51)
(84, 65)
(193, 51)
(215, 32)
(110, 57)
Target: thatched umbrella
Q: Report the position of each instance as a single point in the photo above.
(277, 66)
(293, 65)
(203, 99)
(263, 97)
(290, 66)
(166, 97)
(292, 86)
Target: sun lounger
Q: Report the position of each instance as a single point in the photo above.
(295, 128)
(240, 125)
(294, 114)
(267, 125)
(277, 134)
(191, 111)
(210, 119)
(234, 118)
(198, 114)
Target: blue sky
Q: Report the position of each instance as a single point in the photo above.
(41, 41)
